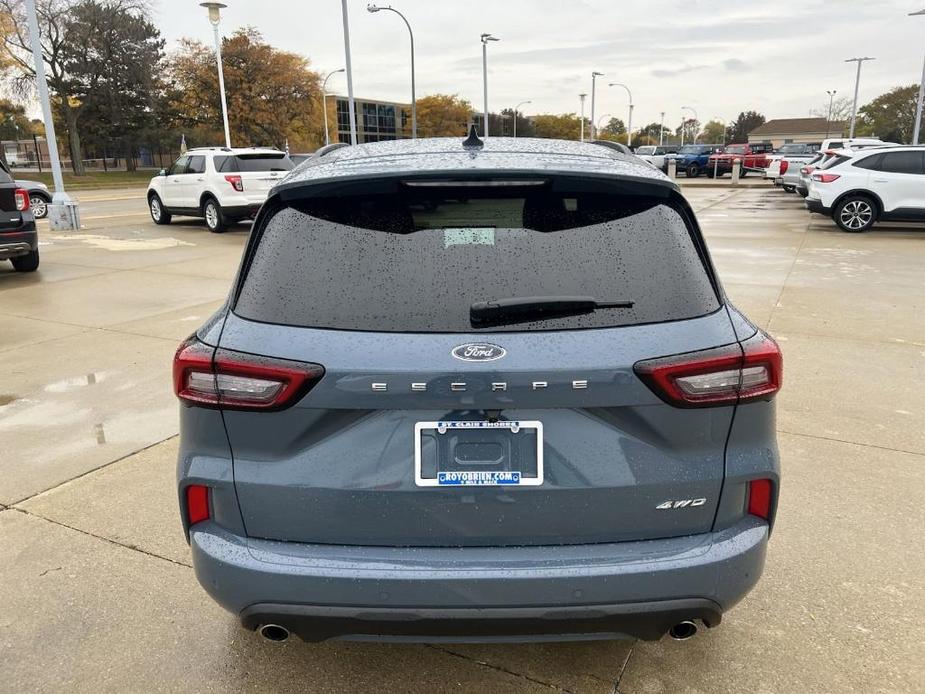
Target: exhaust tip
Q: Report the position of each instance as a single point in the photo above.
(682, 631)
(274, 632)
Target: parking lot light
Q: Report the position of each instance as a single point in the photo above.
(918, 108)
(629, 123)
(828, 118)
(215, 10)
(414, 107)
(324, 102)
(485, 39)
(594, 76)
(515, 114)
(857, 82)
(581, 136)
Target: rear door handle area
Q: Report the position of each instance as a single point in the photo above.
(881, 180)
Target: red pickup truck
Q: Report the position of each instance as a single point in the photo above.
(751, 155)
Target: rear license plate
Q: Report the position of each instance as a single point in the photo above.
(478, 454)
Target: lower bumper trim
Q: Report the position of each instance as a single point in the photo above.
(642, 620)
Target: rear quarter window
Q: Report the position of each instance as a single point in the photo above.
(417, 261)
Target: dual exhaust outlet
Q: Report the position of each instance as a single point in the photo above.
(681, 631)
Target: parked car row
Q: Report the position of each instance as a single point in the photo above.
(713, 160)
(859, 182)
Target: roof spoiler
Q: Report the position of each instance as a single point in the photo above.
(621, 148)
(321, 151)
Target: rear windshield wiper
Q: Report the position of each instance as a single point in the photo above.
(523, 309)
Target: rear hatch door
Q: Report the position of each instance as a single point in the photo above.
(353, 460)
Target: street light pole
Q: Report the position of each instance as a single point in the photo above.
(324, 103)
(828, 118)
(600, 120)
(594, 76)
(857, 82)
(414, 106)
(696, 120)
(515, 114)
(661, 129)
(918, 108)
(215, 9)
(485, 39)
(629, 123)
(351, 106)
(582, 131)
(70, 219)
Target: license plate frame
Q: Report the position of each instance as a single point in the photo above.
(478, 478)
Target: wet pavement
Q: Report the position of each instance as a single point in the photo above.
(96, 589)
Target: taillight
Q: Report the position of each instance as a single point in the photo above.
(235, 182)
(721, 376)
(197, 504)
(784, 165)
(759, 498)
(825, 177)
(22, 199)
(807, 170)
(236, 381)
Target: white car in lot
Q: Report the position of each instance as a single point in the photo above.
(655, 154)
(859, 188)
(220, 184)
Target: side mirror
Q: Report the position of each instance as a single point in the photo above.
(162, 172)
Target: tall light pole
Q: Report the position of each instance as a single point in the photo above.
(696, 120)
(594, 76)
(857, 82)
(629, 122)
(71, 218)
(351, 105)
(828, 118)
(324, 103)
(485, 39)
(414, 105)
(515, 114)
(215, 9)
(918, 108)
(582, 98)
(661, 129)
(600, 120)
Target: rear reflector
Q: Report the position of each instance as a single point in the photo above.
(759, 498)
(22, 199)
(721, 376)
(233, 380)
(197, 504)
(825, 177)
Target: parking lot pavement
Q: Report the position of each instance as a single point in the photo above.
(96, 588)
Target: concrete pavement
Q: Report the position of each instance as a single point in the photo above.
(96, 589)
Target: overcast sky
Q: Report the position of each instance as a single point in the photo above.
(718, 56)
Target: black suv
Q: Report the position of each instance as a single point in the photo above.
(19, 241)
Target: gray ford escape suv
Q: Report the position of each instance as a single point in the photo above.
(468, 390)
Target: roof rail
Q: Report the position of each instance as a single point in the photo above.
(321, 151)
(619, 147)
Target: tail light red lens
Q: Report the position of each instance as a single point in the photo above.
(22, 199)
(759, 498)
(236, 182)
(825, 177)
(784, 165)
(807, 170)
(231, 380)
(197, 504)
(721, 376)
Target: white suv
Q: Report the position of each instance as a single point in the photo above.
(221, 184)
(881, 183)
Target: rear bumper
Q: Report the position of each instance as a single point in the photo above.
(20, 242)
(634, 589)
(248, 210)
(816, 206)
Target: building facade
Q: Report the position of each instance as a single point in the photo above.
(780, 131)
(376, 120)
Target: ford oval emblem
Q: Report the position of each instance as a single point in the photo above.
(478, 351)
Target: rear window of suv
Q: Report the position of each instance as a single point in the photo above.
(253, 162)
(417, 260)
